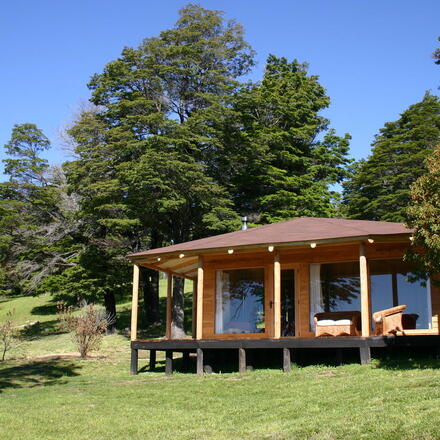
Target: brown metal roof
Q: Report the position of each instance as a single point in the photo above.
(304, 229)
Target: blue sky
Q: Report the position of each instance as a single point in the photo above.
(373, 56)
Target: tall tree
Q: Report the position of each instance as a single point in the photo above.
(140, 169)
(380, 186)
(424, 216)
(38, 228)
(280, 158)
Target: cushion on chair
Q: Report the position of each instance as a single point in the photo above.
(334, 322)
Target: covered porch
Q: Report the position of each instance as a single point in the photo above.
(264, 287)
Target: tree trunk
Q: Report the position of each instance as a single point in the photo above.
(178, 323)
(150, 290)
(110, 308)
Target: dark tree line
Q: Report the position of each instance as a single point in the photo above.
(175, 146)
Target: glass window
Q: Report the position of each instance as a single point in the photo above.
(334, 287)
(393, 283)
(239, 301)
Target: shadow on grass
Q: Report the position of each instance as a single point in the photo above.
(46, 309)
(41, 329)
(407, 359)
(29, 375)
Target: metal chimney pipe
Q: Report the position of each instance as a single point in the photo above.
(244, 223)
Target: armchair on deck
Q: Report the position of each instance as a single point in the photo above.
(390, 321)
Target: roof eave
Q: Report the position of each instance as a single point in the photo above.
(152, 256)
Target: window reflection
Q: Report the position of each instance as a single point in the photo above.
(239, 301)
(340, 286)
(393, 283)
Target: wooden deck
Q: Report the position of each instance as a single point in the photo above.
(287, 345)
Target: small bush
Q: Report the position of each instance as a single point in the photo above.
(87, 328)
(8, 335)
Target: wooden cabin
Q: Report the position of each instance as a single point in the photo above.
(302, 283)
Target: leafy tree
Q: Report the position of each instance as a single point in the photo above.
(38, 225)
(280, 156)
(424, 216)
(380, 186)
(140, 169)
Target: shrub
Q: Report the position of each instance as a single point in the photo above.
(8, 335)
(87, 328)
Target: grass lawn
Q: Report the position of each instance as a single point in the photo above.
(96, 398)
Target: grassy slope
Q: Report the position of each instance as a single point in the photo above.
(97, 399)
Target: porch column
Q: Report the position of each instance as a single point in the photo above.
(134, 303)
(194, 309)
(277, 295)
(169, 316)
(199, 324)
(365, 292)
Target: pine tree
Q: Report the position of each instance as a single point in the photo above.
(280, 157)
(380, 186)
(140, 171)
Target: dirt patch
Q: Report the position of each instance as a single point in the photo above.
(60, 356)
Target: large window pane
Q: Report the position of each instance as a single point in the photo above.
(393, 283)
(334, 287)
(239, 301)
(340, 286)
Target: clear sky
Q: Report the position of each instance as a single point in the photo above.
(373, 56)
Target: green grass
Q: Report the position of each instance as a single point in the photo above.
(97, 398)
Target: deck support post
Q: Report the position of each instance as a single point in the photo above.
(287, 364)
(134, 303)
(168, 362)
(134, 361)
(277, 295)
(169, 316)
(199, 325)
(241, 360)
(365, 354)
(199, 362)
(365, 292)
(152, 360)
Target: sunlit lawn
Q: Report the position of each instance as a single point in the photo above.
(42, 397)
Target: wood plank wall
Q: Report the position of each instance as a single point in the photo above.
(298, 259)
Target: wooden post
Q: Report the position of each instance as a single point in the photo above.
(365, 355)
(241, 360)
(287, 363)
(134, 361)
(168, 362)
(365, 292)
(199, 324)
(194, 310)
(199, 362)
(169, 316)
(134, 303)
(277, 295)
(152, 360)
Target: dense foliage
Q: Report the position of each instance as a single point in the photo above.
(424, 216)
(380, 186)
